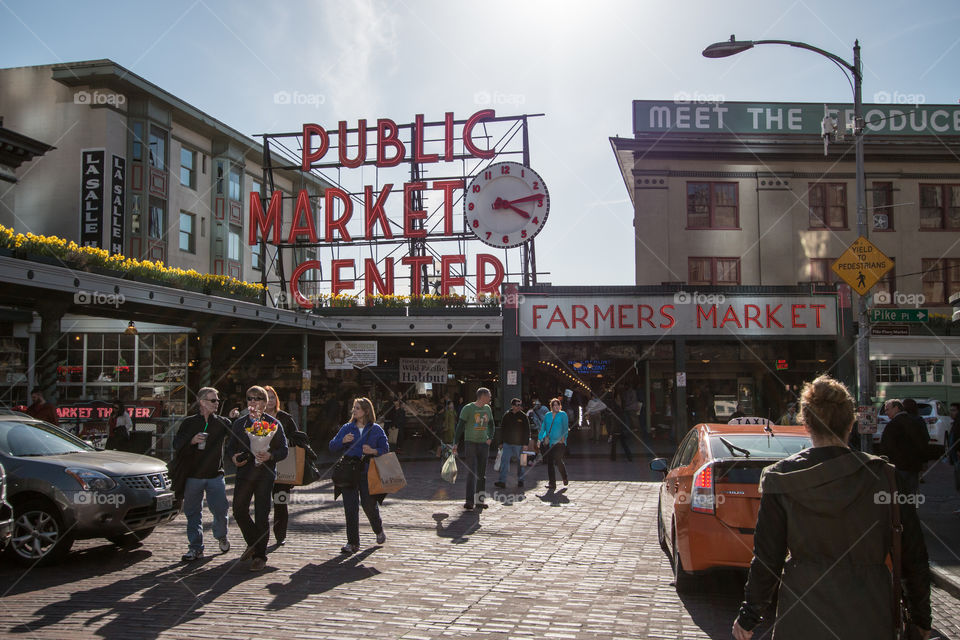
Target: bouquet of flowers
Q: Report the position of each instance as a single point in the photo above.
(260, 433)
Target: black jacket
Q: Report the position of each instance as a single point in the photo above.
(196, 463)
(515, 428)
(239, 442)
(904, 442)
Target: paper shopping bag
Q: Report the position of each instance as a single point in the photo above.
(385, 474)
(499, 460)
(290, 469)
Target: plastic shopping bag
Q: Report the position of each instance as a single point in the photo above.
(449, 470)
(496, 464)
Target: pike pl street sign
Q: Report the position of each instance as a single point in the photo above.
(899, 315)
(862, 265)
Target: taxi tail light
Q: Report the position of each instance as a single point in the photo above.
(703, 497)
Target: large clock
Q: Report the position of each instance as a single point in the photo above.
(506, 204)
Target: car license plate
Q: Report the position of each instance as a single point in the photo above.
(165, 502)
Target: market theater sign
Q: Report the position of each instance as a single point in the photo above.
(683, 314)
(387, 149)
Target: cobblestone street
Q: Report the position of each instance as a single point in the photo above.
(584, 563)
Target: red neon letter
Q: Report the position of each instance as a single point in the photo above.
(665, 314)
(373, 211)
(371, 277)
(410, 214)
(794, 319)
(471, 148)
(416, 264)
(340, 224)
(295, 282)
(264, 223)
(580, 315)
(816, 309)
(447, 280)
(447, 186)
(448, 136)
(418, 154)
(361, 156)
(336, 284)
(302, 208)
(747, 317)
(493, 286)
(536, 313)
(308, 157)
(387, 136)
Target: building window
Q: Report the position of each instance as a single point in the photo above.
(138, 141)
(188, 168)
(158, 148)
(909, 370)
(706, 271)
(882, 206)
(712, 205)
(828, 205)
(941, 279)
(940, 206)
(233, 244)
(188, 232)
(156, 227)
(234, 183)
(819, 270)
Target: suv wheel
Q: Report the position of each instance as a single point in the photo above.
(38, 534)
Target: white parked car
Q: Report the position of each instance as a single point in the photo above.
(934, 412)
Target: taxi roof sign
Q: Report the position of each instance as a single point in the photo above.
(862, 265)
(766, 422)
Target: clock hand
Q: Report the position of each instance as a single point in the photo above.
(536, 196)
(500, 203)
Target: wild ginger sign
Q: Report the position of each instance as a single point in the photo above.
(348, 219)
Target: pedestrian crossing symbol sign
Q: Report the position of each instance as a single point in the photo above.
(862, 265)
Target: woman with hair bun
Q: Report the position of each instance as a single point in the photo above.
(829, 509)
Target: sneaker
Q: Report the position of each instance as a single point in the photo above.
(349, 548)
(500, 485)
(565, 482)
(247, 554)
(191, 555)
(467, 507)
(482, 506)
(381, 537)
(281, 542)
(224, 545)
(258, 564)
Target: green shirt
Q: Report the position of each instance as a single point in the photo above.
(475, 423)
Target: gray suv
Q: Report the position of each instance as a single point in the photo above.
(62, 490)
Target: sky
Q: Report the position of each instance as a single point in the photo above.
(579, 63)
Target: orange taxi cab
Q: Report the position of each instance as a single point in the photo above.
(710, 494)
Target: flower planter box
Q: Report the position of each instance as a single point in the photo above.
(454, 311)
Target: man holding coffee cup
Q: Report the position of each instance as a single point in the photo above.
(199, 449)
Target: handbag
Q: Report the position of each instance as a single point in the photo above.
(499, 460)
(385, 474)
(346, 472)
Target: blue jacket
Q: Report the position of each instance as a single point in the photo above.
(373, 435)
(555, 426)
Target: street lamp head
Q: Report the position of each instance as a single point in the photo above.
(729, 48)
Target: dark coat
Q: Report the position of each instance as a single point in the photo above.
(904, 442)
(820, 507)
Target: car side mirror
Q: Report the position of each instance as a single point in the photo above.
(659, 464)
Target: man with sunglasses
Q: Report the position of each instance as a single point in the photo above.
(198, 448)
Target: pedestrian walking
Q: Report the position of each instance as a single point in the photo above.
(41, 409)
(119, 427)
(904, 443)
(515, 434)
(790, 417)
(594, 411)
(553, 439)
(830, 510)
(256, 472)
(398, 420)
(198, 449)
(953, 453)
(619, 430)
(476, 427)
(295, 437)
(360, 438)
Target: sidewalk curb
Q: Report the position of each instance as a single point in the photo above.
(945, 580)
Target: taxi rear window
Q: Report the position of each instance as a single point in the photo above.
(759, 445)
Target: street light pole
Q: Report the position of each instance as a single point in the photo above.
(733, 47)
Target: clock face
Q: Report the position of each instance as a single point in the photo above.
(506, 204)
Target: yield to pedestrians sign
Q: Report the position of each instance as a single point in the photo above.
(862, 265)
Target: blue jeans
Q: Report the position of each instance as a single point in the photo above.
(511, 451)
(193, 492)
(475, 460)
